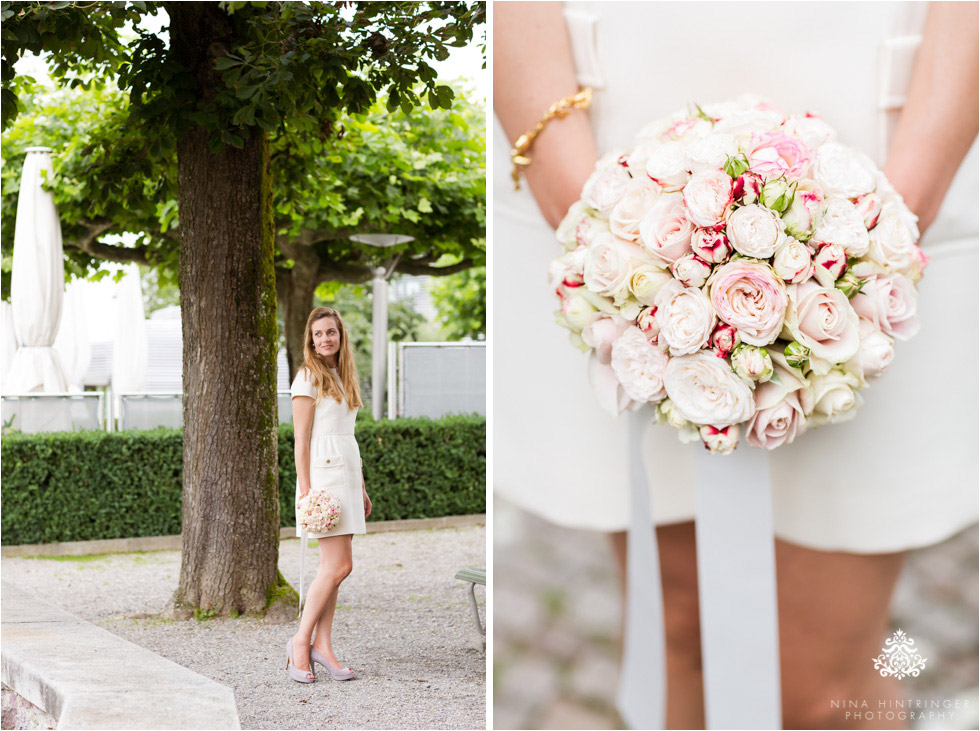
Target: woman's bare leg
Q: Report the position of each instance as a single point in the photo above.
(335, 566)
(833, 618)
(339, 556)
(679, 574)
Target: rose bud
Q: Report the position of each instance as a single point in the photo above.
(917, 264)
(690, 270)
(711, 245)
(667, 414)
(792, 261)
(868, 208)
(736, 165)
(829, 264)
(576, 313)
(720, 441)
(723, 340)
(776, 195)
(747, 188)
(850, 284)
(797, 354)
(648, 324)
(803, 214)
(752, 362)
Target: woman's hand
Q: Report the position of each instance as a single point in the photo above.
(367, 505)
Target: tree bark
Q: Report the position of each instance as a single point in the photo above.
(230, 533)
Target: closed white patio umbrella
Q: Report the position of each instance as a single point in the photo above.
(37, 283)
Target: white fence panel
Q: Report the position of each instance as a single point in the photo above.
(48, 412)
(436, 379)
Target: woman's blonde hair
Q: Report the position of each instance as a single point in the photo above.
(319, 374)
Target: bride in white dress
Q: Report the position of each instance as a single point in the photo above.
(848, 499)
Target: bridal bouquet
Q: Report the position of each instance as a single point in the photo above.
(738, 267)
(319, 511)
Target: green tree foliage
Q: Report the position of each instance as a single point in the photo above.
(461, 301)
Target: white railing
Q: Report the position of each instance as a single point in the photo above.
(436, 379)
(50, 412)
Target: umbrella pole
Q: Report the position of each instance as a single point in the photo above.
(302, 573)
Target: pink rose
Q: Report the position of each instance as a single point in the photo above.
(607, 265)
(666, 230)
(868, 207)
(749, 296)
(778, 417)
(600, 334)
(647, 322)
(876, 352)
(690, 270)
(823, 320)
(773, 155)
(723, 340)
(711, 245)
(708, 196)
(747, 188)
(804, 212)
(567, 271)
(891, 303)
(829, 264)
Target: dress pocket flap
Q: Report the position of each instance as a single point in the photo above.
(323, 463)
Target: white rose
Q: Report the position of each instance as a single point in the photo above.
(607, 266)
(754, 231)
(711, 152)
(792, 261)
(686, 318)
(640, 195)
(891, 239)
(667, 164)
(704, 390)
(890, 302)
(708, 196)
(876, 352)
(646, 282)
(823, 320)
(843, 225)
(639, 366)
(843, 171)
(831, 398)
(605, 187)
(666, 230)
(812, 130)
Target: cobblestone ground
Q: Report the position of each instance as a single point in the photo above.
(557, 615)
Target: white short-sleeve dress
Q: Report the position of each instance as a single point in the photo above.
(335, 460)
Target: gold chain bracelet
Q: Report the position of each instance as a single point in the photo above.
(518, 155)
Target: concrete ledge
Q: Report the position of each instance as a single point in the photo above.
(89, 678)
(172, 543)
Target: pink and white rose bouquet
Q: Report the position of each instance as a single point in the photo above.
(739, 270)
(319, 511)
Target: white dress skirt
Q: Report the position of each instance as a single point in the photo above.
(903, 473)
(335, 460)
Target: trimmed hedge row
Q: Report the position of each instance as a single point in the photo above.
(76, 486)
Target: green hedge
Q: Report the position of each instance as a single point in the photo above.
(76, 486)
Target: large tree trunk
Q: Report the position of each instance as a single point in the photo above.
(230, 541)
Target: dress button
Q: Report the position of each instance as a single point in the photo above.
(328, 461)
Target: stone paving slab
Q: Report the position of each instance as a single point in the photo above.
(87, 677)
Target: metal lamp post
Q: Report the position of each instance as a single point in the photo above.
(379, 316)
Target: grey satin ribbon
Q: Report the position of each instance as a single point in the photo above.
(737, 587)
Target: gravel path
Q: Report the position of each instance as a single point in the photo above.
(403, 622)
